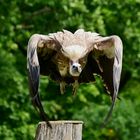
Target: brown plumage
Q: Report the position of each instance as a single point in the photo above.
(69, 58)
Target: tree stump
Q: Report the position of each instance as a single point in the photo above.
(61, 130)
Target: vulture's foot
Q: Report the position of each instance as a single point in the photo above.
(75, 86)
(62, 87)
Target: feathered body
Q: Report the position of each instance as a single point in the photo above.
(74, 58)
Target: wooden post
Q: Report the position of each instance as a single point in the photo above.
(61, 130)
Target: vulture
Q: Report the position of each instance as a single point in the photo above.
(74, 58)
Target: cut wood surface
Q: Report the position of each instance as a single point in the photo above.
(61, 130)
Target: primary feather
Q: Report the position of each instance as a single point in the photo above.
(73, 58)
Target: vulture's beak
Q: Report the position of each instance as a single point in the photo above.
(75, 69)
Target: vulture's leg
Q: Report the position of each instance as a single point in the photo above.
(75, 86)
(62, 87)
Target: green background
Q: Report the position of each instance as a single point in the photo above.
(19, 19)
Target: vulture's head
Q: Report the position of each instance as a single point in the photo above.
(77, 56)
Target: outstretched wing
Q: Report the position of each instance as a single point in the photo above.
(39, 45)
(107, 52)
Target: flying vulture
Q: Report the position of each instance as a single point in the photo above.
(73, 58)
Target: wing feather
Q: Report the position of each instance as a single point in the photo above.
(117, 67)
(38, 41)
(108, 52)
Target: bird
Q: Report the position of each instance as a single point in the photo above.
(74, 58)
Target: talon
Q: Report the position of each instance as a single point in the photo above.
(75, 86)
(74, 91)
(62, 87)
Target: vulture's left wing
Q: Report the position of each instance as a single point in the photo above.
(39, 41)
(107, 52)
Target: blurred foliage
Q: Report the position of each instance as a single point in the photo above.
(20, 19)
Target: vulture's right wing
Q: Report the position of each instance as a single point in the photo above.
(39, 41)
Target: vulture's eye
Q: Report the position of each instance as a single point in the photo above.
(71, 62)
(82, 61)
